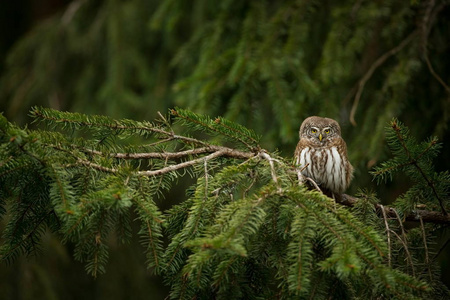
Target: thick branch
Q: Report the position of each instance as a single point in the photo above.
(216, 151)
(227, 152)
(414, 216)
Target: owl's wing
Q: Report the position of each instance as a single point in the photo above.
(342, 149)
(302, 144)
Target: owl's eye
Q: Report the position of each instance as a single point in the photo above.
(327, 131)
(313, 131)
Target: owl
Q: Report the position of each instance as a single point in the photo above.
(321, 154)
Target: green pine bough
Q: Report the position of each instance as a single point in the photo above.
(248, 228)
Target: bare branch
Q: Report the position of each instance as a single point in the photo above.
(405, 246)
(424, 236)
(404, 241)
(372, 69)
(96, 166)
(301, 178)
(315, 185)
(71, 11)
(174, 155)
(266, 156)
(388, 231)
(428, 19)
(185, 164)
(427, 216)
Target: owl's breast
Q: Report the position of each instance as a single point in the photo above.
(325, 166)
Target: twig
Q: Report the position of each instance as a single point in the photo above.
(388, 234)
(71, 11)
(426, 27)
(206, 178)
(413, 216)
(174, 155)
(405, 246)
(313, 183)
(427, 259)
(266, 156)
(300, 176)
(159, 142)
(405, 241)
(372, 69)
(96, 166)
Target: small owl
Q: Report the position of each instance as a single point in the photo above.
(322, 154)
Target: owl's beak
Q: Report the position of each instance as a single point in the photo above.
(320, 137)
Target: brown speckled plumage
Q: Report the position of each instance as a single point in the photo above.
(322, 154)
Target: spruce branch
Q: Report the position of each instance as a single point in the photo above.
(219, 126)
(414, 161)
(247, 203)
(77, 121)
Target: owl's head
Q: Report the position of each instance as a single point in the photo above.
(320, 131)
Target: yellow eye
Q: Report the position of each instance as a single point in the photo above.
(313, 131)
(327, 131)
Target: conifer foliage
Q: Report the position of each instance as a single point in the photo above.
(248, 228)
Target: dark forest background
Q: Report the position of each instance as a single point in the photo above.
(264, 64)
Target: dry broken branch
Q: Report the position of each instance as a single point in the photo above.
(427, 216)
